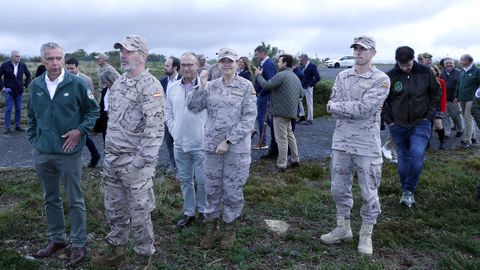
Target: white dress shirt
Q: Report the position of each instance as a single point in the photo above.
(52, 86)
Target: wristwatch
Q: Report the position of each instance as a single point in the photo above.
(228, 141)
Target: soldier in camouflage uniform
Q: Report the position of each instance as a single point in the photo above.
(134, 135)
(231, 106)
(101, 60)
(356, 102)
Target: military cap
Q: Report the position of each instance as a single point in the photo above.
(133, 43)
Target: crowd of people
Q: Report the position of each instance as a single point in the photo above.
(208, 116)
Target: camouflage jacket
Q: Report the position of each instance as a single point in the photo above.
(356, 102)
(232, 110)
(135, 118)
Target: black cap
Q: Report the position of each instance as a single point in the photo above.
(404, 54)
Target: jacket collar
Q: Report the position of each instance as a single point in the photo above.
(66, 80)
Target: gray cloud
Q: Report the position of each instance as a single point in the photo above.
(205, 27)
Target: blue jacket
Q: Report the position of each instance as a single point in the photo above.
(310, 75)
(9, 79)
(164, 82)
(268, 71)
(299, 72)
(73, 107)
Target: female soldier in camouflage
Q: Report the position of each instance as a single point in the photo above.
(231, 105)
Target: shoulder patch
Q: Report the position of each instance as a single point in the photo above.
(386, 85)
(90, 94)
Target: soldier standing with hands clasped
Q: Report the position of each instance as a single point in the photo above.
(356, 102)
(134, 134)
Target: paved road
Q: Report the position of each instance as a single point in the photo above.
(331, 73)
(17, 151)
(313, 141)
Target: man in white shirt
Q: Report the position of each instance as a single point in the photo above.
(187, 129)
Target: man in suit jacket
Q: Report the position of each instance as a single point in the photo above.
(310, 78)
(263, 99)
(12, 84)
(172, 66)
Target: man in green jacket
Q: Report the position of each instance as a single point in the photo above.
(61, 110)
(468, 83)
(286, 90)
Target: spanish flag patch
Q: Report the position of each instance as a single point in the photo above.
(157, 94)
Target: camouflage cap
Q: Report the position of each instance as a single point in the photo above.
(227, 53)
(101, 56)
(427, 55)
(133, 43)
(364, 41)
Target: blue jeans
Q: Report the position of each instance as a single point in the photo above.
(411, 144)
(10, 101)
(189, 165)
(262, 107)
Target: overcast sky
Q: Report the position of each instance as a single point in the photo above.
(316, 27)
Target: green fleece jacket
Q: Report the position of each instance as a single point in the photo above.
(73, 107)
(467, 84)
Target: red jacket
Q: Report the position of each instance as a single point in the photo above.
(443, 97)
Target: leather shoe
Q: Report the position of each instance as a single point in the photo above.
(49, 249)
(185, 221)
(269, 155)
(19, 129)
(78, 253)
(94, 161)
(301, 119)
(6, 131)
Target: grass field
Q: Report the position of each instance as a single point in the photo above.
(441, 232)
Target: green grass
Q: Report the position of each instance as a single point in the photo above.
(440, 232)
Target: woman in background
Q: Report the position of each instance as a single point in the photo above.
(244, 68)
(107, 78)
(440, 112)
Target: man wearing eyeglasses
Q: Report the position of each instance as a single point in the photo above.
(356, 102)
(409, 111)
(187, 129)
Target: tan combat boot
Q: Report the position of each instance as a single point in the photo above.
(342, 232)
(114, 257)
(212, 233)
(365, 246)
(229, 235)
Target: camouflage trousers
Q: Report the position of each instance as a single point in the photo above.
(369, 173)
(129, 201)
(225, 177)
